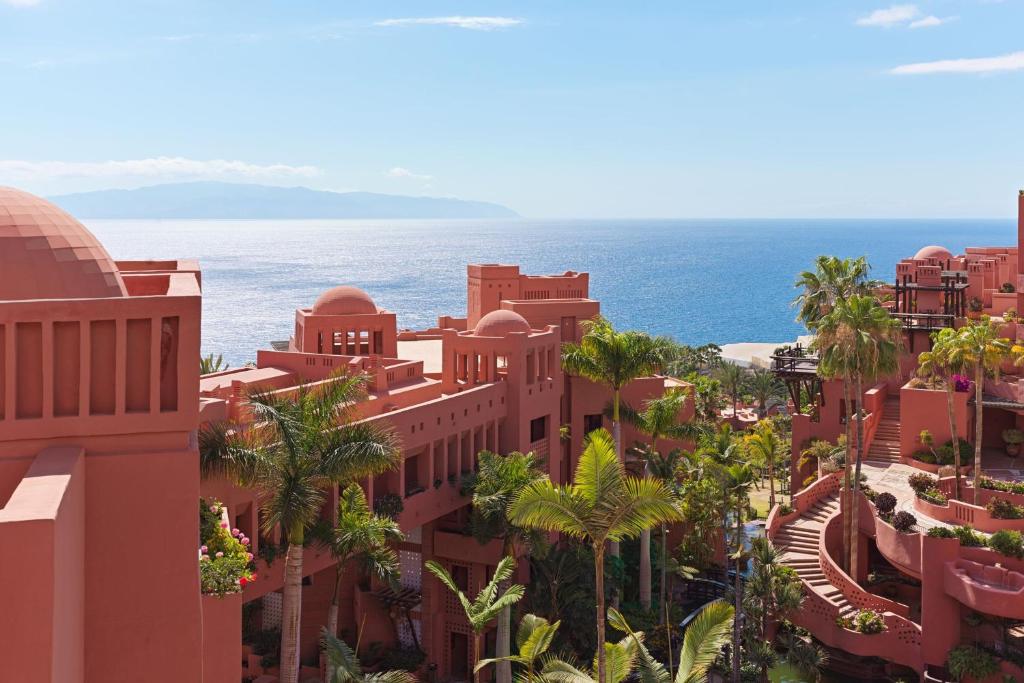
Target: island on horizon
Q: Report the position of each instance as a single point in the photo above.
(208, 199)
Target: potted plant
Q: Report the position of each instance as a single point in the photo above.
(1013, 439)
(975, 306)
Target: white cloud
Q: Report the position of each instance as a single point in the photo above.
(470, 23)
(891, 16)
(931, 20)
(399, 172)
(158, 167)
(979, 65)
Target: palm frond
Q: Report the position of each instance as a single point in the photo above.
(704, 639)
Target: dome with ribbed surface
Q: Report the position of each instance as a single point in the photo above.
(46, 254)
(933, 251)
(344, 300)
(499, 323)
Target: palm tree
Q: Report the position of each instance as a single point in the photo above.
(344, 666)
(301, 443)
(705, 637)
(496, 481)
(860, 341)
(738, 481)
(620, 658)
(832, 280)
(983, 350)
(765, 387)
(732, 377)
(487, 605)
(602, 504)
(365, 537)
(659, 419)
(764, 446)
(533, 638)
(945, 360)
(774, 592)
(809, 658)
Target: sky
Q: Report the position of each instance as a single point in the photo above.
(592, 108)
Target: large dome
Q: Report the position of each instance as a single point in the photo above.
(47, 254)
(499, 323)
(933, 251)
(344, 300)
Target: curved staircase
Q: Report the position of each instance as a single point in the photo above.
(885, 446)
(798, 543)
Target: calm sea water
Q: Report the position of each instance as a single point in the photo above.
(697, 280)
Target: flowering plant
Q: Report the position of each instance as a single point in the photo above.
(961, 383)
(225, 563)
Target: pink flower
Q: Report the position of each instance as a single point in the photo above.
(223, 525)
(244, 540)
(220, 554)
(248, 556)
(214, 508)
(203, 549)
(235, 532)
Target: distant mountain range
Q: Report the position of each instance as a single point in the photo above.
(235, 200)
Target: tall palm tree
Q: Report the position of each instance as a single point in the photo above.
(301, 443)
(764, 446)
(362, 536)
(487, 605)
(533, 638)
(496, 481)
(738, 481)
(659, 419)
(858, 340)
(832, 280)
(602, 504)
(983, 350)
(774, 592)
(614, 359)
(811, 659)
(945, 360)
(764, 386)
(344, 666)
(732, 377)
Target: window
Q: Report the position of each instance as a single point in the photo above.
(538, 428)
(592, 423)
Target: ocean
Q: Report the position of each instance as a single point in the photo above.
(699, 281)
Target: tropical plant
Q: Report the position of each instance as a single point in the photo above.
(885, 503)
(764, 447)
(345, 667)
(705, 637)
(209, 364)
(364, 537)
(659, 419)
(738, 480)
(773, 592)
(694, 359)
(301, 443)
(707, 397)
(946, 360)
(832, 280)
(969, 661)
(533, 638)
(811, 659)
(225, 563)
(984, 350)
(733, 378)
(487, 604)
(494, 484)
(1007, 542)
(603, 504)
(858, 341)
(765, 387)
(903, 522)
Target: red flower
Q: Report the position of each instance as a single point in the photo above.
(242, 581)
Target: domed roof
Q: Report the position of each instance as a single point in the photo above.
(47, 254)
(344, 300)
(933, 251)
(499, 323)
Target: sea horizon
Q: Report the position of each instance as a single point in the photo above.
(698, 280)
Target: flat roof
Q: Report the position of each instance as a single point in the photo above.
(426, 350)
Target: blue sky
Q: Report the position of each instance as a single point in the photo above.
(710, 108)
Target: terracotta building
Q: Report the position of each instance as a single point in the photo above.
(100, 403)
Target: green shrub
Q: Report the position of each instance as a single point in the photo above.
(868, 621)
(1000, 508)
(944, 456)
(1004, 486)
(968, 660)
(1006, 542)
(926, 457)
(941, 532)
(904, 522)
(402, 659)
(968, 537)
(785, 509)
(934, 496)
(885, 502)
(966, 450)
(810, 480)
(920, 481)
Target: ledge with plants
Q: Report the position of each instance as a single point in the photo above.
(225, 563)
(932, 459)
(933, 500)
(866, 621)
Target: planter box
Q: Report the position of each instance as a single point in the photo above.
(222, 637)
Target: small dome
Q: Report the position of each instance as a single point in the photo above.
(499, 323)
(46, 254)
(344, 300)
(933, 251)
